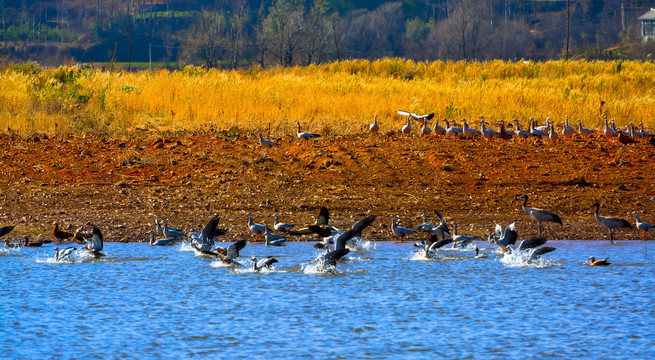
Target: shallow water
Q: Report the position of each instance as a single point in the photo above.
(165, 302)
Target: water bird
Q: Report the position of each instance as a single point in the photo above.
(339, 240)
(266, 144)
(266, 262)
(159, 227)
(59, 234)
(599, 262)
(273, 239)
(96, 244)
(438, 130)
(407, 128)
(278, 226)
(610, 223)
(608, 131)
(305, 135)
(61, 255)
(440, 230)
(321, 220)
(159, 242)
(8, 244)
(169, 232)
(28, 243)
(625, 140)
(644, 227)
(489, 134)
(503, 133)
(507, 237)
(374, 127)
(329, 260)
(523, 134)
(552, 135)
(255, 229)
(538, 214)
(469, 132)
(430, 245)
(567, 131)
(453, 130)
(426, 130)
(536, 132)
(583, 131)
(478, 255)
(399, 231)
(204, 242)
(460, 241)
(544, 128)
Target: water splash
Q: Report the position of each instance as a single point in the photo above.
(525, 259)
(358, 244)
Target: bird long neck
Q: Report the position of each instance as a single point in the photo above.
(249, 220)
(275, 217)
(525, 202)
(298, 127)
(375, 120)
(455, 228)
(152, 238)
(517, 125)
(637, 216)
(596, 211)
(254, 264)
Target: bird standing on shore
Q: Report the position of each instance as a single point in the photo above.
(305, 135)
(538, 214)
(610, 223)
(266, 144)
(374, 127)
(399, 231)
(644, 227)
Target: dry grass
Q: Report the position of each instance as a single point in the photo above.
(336, 98)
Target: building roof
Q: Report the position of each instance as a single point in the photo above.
(648, 16)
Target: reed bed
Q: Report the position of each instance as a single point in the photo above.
(335, 98)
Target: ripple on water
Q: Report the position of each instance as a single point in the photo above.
(142, 302)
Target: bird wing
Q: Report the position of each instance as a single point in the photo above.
(323, 216)
(510, 234)
(96, 238)
(403, 113)
(209, 232)
(531, 243)
(542, 250)
(320, 231)
(6, 230)
(332, 257)
(356, 229)
(266, 262)
(439, 244)
(233, 250)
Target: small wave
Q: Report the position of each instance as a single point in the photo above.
(318, 269)
(525, 259)
(185, 246)
(421, 256)
(250, 270)
(357, 244)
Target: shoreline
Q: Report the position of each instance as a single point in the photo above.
(123, 184)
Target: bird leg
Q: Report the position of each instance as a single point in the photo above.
(611, 237)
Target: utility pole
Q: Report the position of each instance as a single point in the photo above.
(568, 23)
(622, 17)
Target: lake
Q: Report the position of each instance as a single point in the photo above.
(382, 302)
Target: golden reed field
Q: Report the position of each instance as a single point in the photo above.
(118, 149)
(335, 98)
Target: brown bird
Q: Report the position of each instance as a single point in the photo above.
(651, 140)
(60, 234)
(599, 262)
(623, 139)
(28, 243)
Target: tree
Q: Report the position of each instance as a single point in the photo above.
(317, 32)
(205, 40)
(282, 30)
(465, 34)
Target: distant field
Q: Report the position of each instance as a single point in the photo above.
(335, 98)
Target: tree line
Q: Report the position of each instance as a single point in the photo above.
(240, 33)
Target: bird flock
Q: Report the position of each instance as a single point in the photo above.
(629, 134)
(337, 243)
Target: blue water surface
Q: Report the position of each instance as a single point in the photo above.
(142, 302)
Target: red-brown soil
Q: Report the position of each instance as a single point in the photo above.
(121, 184)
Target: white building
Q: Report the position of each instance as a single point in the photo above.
(648, 25)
